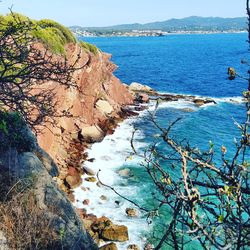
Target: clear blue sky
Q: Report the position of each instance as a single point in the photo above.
(109, 12)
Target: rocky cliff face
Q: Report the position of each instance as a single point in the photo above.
(98, 99)
(34, 172)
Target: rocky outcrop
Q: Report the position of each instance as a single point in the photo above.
(132, 212)
(37, 168)
(98, 98)
(133, 247)
(109, 231)
(140, 88)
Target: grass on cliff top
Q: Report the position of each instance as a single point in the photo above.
(52, 34)
(89, 47)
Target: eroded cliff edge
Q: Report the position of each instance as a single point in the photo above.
(92, 110)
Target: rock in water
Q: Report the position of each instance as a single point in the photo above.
(132, 212)
(133, 247)
(107, 230)
(88, 171)
(110, 246)
(137, 87)
(90, 179)
(125, 172)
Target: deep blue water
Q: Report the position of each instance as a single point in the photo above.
(194, 64)
(190, 64)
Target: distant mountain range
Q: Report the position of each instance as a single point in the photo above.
(193, 23)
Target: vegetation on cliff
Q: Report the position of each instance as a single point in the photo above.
(25, 66)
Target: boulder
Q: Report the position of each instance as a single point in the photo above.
(199, 102)
(103, 197)
(90, 179)
(88, 171)
(104, 107)
(142, 98)
(133, 247)
(137, 87)
(132, 212)
(149, 247)
(110, 246)
(86, 202)
(92, 134)
(73, 180)
(107, 230)
(115, 233)
(82, 212)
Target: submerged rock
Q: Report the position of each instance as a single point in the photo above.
(125, 172)
(188, 110)
(132, 212)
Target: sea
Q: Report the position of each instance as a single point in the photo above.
(193, 64)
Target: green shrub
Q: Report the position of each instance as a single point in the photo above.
(89, 47)
(14, 133)
(46, 23)
(52, 38)
(52, 34)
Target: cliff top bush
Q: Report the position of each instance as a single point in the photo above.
(89, 47)
(46, 23)
(49, 32)
(54, 35)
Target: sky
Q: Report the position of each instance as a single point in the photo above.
(111, 12)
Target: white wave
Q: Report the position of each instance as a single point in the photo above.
(110, 155)
(234, 100)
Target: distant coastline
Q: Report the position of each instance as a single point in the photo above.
(145, 33)
(189, 25)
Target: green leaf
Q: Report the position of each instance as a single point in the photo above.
(221, 218)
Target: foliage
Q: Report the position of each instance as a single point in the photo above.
(14, 132)
(24, 67)
(52, 37)
(89, 47)
(50, 33)
(46, 23)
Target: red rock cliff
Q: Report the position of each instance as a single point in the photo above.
(100, 97)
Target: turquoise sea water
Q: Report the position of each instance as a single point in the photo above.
(189, 64)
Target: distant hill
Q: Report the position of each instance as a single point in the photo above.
(193, 23)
